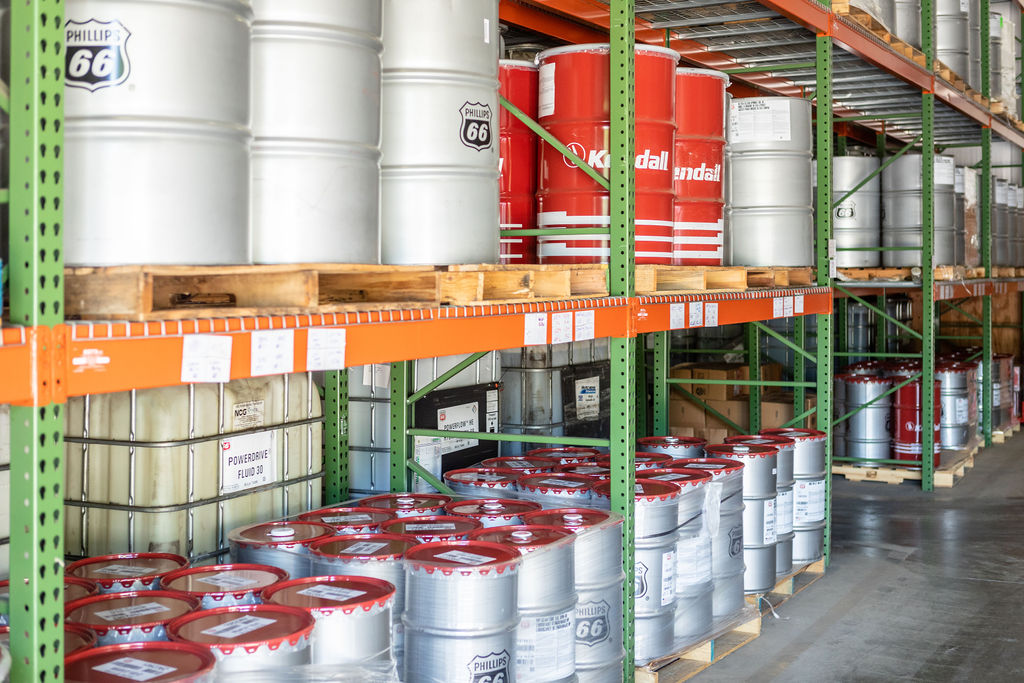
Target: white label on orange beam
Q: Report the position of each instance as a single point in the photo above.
(798, 304)
(325, 348)
(677, 316)
(535, 329)
(585, 325)
(787, 307)
(697, 314)
(710, 315)
(272, 352)
(205, 358)
(561, 327)
(778, 307)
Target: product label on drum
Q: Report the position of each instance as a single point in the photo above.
(364, 548)
(228, 581)
(134, 669)
(545, 645)
(331, 593)
(95, 54)
(736, 541)
(132, 611)
(588, 398)
(784, 512)
(758, 120)
(995, 394)
(248, 461)
(945, 171)
(770, 535)
(490, 668)
(693, 561)
(958, 174)
(462, 557)
(476, 125)
(846, 210)
(347, 519)
(247, 415)
(238, 627)
(125, 570)
(439, 526)
(668, 577)
(965, 6)
(671, 476)
(808, 502)
(546, 94)
(591, 469)
(425, 453)
(592, 627)
(640, 586)
(960, 410)
(563, 483)
(460, 418)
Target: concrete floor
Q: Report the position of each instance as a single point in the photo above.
(922, 587)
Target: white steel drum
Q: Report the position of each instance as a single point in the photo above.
(127, 571)
(131, 617)
(190, 662)
(222, 585)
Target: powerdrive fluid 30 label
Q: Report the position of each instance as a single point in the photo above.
(97, 54)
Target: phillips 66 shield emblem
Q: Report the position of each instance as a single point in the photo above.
(490, 668)
(476, 125)
(96, 55)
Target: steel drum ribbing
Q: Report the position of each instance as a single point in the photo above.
(161, 128)
(699, 154)
(130, 617)
(439, 169)
(675, 446)
(128, 571)
(574, 107)
(556, 489)
(952, 42)
(432, 528)
(477, 482)
(248, 637)
(352, 613)
(279, 544)
(858, 220)
(222, 585)
(408, 504)
(906, 421)
(491, 512)
(808, 491)
(902, 214)
(869, 432)
(349, 520)
(461, 611)
(517, 180)
(959, 408)
(190, 662)
(316, 93)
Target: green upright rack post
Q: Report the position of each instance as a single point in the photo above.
(927, 254)
(37, 299)
(659, 386)
(985, 202)
(754, 367)
(335, 436)
(799, 365)
(401, 420)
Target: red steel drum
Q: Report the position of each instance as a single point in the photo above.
(906, 421)
(574, 107)
(517, 149)
(699, 158)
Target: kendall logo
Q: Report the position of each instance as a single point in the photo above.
(599, 158)
(702, 172)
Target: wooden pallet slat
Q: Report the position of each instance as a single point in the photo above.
(953, 465)
(787, 586)
(690, 661)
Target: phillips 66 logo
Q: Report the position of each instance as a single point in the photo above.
(490, 668)
(96, 56)
(476, 125)
(592, 623)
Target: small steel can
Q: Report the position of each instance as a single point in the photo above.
(156, 661)
(279, 544)
(130, 617)
(128, 571)
(350, 520)
(407, 504)
(221, 585)
(492, 512)
(430, 529)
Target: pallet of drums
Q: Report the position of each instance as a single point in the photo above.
(519, 573)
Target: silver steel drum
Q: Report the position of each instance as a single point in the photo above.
(349, 520)
(902, 211)
(222, 585)
(191, 662)
(126, 572)
(439, 169)
(657, 505)
(130, 617)
(161, 129)
(430, 529)
(478, 482)
(908, 21)
(556, 489)
(857, 221)
(769, 124)
(653, 635)
(974, 45)
(654, 579)
(783, 453)
(492, 512)
(759, 522)
(727, 598)
(248, 637)
(959, 415)
(869, 432)
(694, 612)
(676, 446)
(809, 544)
(432, 656)
(352, 613)
(770, 179)
(531, 396)
(959, 220)
(781, 236)
(279, 544)
(808, 452)
(759, 466)
(408, 504)
(951, 37)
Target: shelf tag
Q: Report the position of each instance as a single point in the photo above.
(787, 306)
(778, 307)
(585, 325)
(710, 315)
(561, 327)
(535, 329)
(205, 358)
(798, 304)
(325, 348)
(677, 316)
(272, 352)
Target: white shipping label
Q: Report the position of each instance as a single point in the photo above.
(677, 316)
(492, 400)
(331, 593)
(205, 358)
(272, 352)
(965, 6)
(425, 452)
(1000, 193)
(247, 415)
(325, 348)
(671, 476)
(562, 483)
(546, 92)
(134, 669)
(228, 581)
(588, 398)
(668, 577)
(770, 535)
(561, 327)
(238, 627)
(808, 502)
(798, 304)
(545, 646)
(697, 314)
(710, 315)
(491, 412)
(535, 329)
(585, 325)
(381, 376)
(487, 31)
(347, 519)
(364, 548)
(693, 561)
(248, 461)
(712, 507)
(125, 570)
(132, 611)
(958, 180)
(759, 120)
(787, 307)
(437, 526)
(945, 170)
(462, 557)
(778, 307)
(460, 418)
(784, 512)
(960, 410)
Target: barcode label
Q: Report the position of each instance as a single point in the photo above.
(238, 627)
(364, 548)
(125, 570)
(463, 557)
(228, 581)
(331, 593)
(346, 519)
(132, 611)
(134, 669)
(441, 526)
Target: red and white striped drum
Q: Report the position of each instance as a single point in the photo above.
(517, 163)
(574, 107)
(906, 421)
(699, 158)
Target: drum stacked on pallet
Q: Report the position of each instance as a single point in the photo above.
(675, 446)
(959, 405)
(698, 219)
(223, 585)
(144, 130)
(439, 169)
(867, 433)
(902, 211)
(1001, 224)
(517, 164)
(574, 107)
(316, 121)
(857, 220)
(959, 218)
(907, 422)
(769, 189)
(278, 544)
(1017, 230)
(809, 499)
(952, 43)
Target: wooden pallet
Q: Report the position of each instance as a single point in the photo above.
(879, 31)
(954, 465)
(689, 662)
(942, 273)
(1004, 271)
(997, 107)
(950, 76)
(787, 586)
(1001, 435)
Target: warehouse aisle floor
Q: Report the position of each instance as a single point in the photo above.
(922, 587)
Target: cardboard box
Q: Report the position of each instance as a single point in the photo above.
(717, 371)
(769, 371)
(684, 413)
(682, 431)
(736, 410)
(777, 410)
(715, 436)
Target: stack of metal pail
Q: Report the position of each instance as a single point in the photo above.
(974, 45)
(574, 107)
(902, 211)
(769, 192)
(867, 433)
(316, 126)
(952, 44)
(439, 169)
(908, 21)
(857, 221)
(809, 492)
(517, 165)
